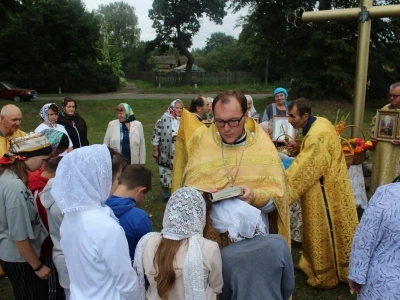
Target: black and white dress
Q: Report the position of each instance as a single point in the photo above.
(164, 137)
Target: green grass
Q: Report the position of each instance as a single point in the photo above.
(97, 115)
(150, 88)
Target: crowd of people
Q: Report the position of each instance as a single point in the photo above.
(71, 228)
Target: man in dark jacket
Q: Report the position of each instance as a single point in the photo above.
(133, 184)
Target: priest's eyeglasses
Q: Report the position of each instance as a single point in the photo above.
(231, 123)
(393, 95)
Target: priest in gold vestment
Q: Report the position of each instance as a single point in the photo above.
(386, 165)
(228, 153)
(318, 175)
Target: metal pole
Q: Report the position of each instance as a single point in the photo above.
(384, 11)
(361, 68)
(331, 15)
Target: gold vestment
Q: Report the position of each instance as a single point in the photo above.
(385, 167)
(260, 168)
(329, 212)
(5, 144)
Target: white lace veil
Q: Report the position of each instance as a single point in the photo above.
(83, 179)
(238, 218)
(184, 218)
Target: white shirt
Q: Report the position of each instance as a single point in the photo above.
(57, 127)
(97, 256)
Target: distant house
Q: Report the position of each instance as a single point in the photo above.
(195, 68)
(165, 62)
(198, 60)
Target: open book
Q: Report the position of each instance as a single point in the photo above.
(227, 193)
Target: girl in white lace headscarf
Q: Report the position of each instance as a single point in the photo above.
(94, 245)
(178, 262)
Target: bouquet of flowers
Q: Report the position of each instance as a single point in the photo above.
(360, 146)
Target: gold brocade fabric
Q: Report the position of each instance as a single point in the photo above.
(185, 141)
(261, 170)
(5, 144)
(385, 167)
(329, 218)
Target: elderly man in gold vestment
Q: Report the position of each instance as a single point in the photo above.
(318, 175)
(10, 120)
(228, 153)
(386, 165)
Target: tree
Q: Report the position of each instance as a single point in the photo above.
(266, 35)
(231, 57)
(319, 58)
(120, 23)
(177, 21)
(218, 39)
(48, 44)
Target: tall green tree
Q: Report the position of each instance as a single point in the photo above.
(232, 57)
(177, 21)
(120, 23)
(218, 39)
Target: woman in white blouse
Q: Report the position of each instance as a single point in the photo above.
(49, 115)
(126, 135)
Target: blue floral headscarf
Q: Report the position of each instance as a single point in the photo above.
(283, 91)
(129, 115)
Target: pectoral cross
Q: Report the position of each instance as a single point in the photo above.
(364, 14)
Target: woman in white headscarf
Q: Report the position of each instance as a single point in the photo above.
(178, 262)
(94, 245)
(49, 115)
(256, 263)
(164, 138)
(251, 111)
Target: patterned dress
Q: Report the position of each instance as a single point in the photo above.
(164, 136)
(375, 255)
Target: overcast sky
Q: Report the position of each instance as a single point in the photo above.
(142, 8)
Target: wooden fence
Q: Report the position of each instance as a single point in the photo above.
(200, 78)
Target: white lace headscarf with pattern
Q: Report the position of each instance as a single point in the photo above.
(44, 114)
(184, 218)
(83, 179)
(238, 218)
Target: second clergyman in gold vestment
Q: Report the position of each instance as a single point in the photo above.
(318, 175)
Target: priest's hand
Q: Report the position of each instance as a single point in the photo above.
(396, 141)
(293, 147)
(248, 194)
(354, 286)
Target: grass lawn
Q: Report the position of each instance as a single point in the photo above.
(97, 115)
